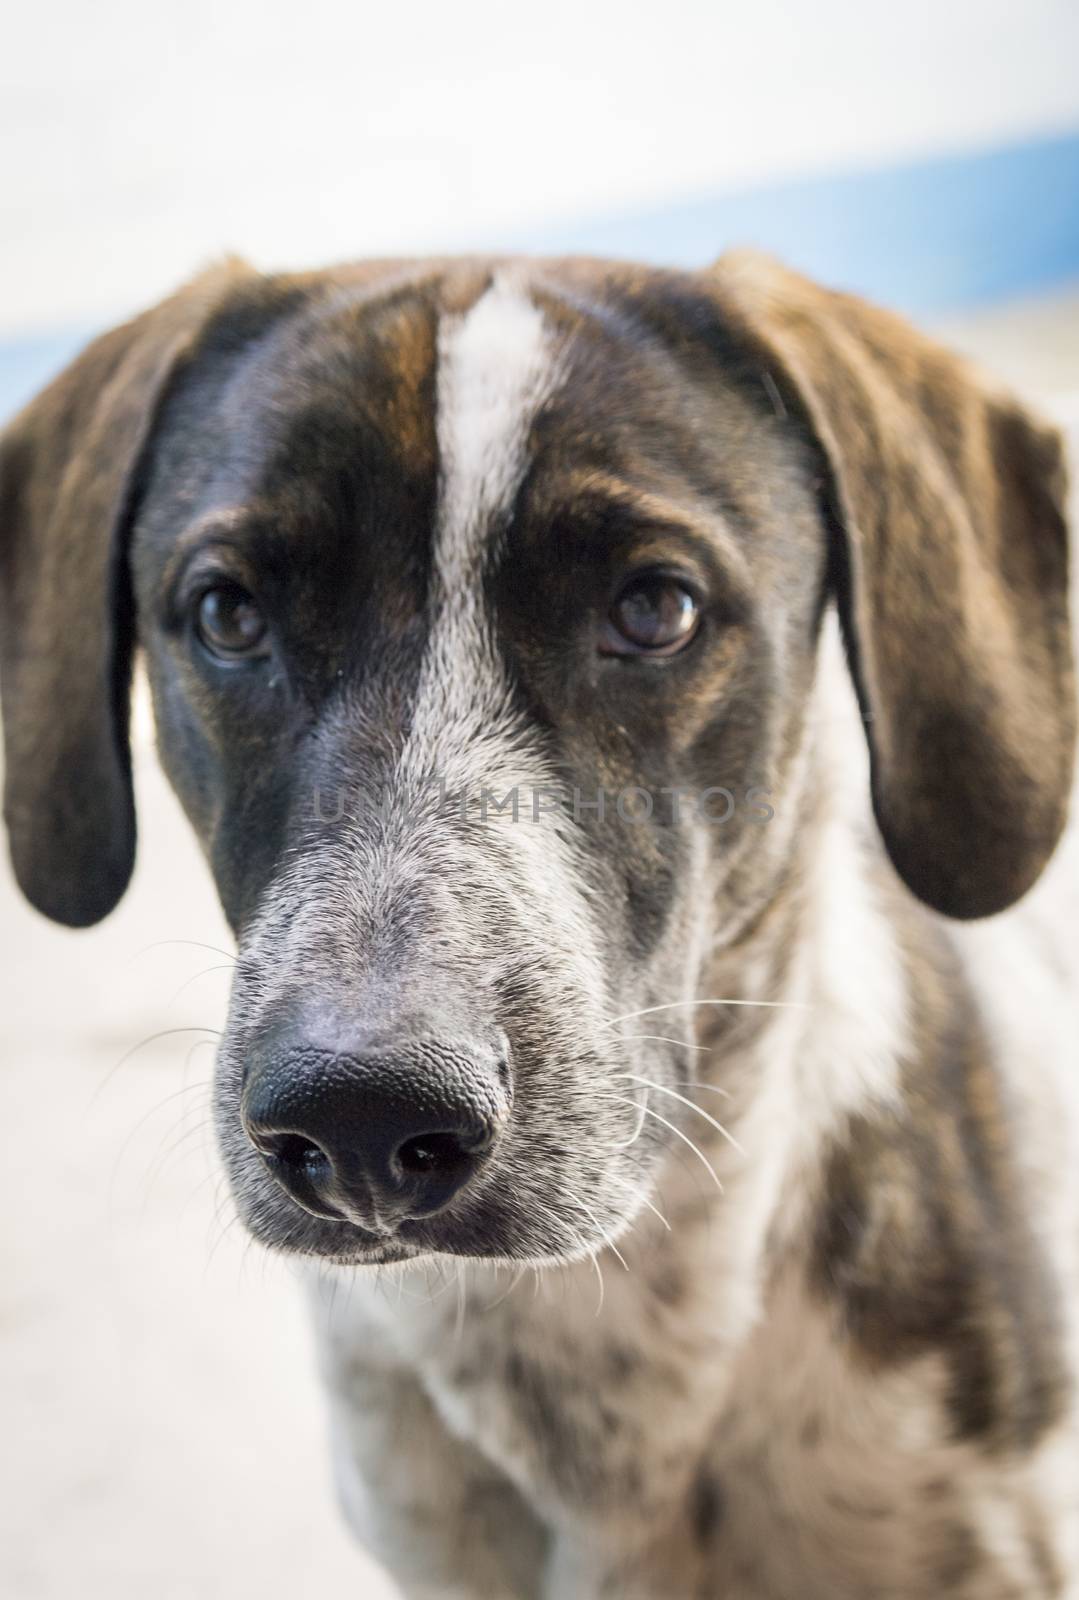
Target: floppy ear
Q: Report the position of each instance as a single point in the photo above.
(69, 468)
(951, 571)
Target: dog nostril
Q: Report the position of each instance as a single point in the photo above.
(293, 1150)
(433, 1152)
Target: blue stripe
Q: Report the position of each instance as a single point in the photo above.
(26, 364)
(928, 237)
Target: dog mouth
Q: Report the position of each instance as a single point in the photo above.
(503, 1224)
(345, 1244)
(295, 1233)
(363, 1253)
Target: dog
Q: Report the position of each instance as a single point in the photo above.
(620, 709)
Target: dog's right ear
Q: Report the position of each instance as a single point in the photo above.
(945, 503)
(69, 473)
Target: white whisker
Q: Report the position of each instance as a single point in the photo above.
(194, 944)
(162, 1033)
(701, 1157)
(627, 1144)
(674, 1094)
(462, 1293)
(599, 1277)
(654, 1209)
(608, 1241)
(643, 1200)
(205, 973)
(674, 1005)
(665, 1038)
(514, 1281)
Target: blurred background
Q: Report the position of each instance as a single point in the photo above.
(163, 1432)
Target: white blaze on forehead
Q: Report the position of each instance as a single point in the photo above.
(497, 364)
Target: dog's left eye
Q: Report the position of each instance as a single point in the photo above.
(654, 614)
(229, 624)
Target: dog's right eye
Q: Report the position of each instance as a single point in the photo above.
(229, 624)
(655, 614)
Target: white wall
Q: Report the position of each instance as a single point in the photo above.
(139, 138)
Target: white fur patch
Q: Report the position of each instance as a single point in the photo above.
(849, 969)
(496, 366)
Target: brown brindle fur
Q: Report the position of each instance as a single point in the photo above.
(925, 1235)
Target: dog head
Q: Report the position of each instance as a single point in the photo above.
(480, 603)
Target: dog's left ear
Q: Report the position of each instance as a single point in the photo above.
(69, 469)
(951, 570)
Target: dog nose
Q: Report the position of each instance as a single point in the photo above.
(383, 1133)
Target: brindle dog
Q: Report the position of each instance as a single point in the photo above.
(488, 611)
